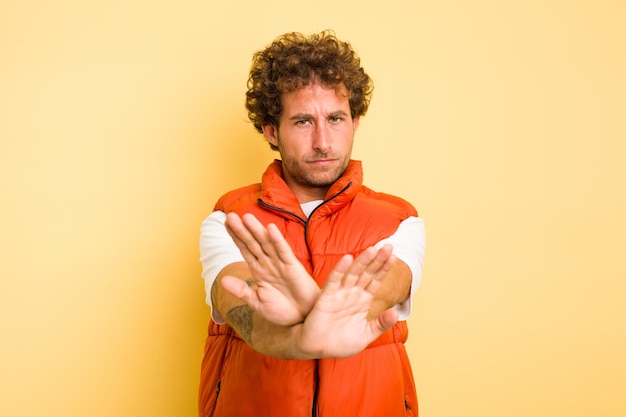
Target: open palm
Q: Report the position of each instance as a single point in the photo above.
(338, 325)
(280, 289)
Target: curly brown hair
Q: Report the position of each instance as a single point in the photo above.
(294, 61)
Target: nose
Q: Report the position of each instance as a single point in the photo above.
(321, 138)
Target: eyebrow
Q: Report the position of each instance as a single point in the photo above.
(307, 116)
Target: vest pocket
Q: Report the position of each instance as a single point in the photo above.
(411, 409)
(407, 405)
(217, 395)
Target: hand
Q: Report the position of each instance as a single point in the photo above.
(338, 325)
(280, 289)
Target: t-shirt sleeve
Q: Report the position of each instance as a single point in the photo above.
(217, 250)
(409, 244)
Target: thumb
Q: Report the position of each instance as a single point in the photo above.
(237, 287)
(384, 321)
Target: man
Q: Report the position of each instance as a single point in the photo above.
(309, 273)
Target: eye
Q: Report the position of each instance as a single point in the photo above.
(335, 119)
(302, 122)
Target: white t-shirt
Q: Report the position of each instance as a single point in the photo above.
(217, 250)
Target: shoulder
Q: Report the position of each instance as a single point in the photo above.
(238, 197)
(385, 201)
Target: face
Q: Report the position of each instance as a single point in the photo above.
(314, 137)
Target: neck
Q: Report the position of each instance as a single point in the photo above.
(307, 194)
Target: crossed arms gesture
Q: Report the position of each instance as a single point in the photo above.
(277, 307)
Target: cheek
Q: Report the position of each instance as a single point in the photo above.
(347, 137)
(290, 150)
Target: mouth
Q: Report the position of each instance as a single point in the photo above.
(322, 161)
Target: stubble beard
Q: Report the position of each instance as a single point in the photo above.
(314, 177)
(307, 175)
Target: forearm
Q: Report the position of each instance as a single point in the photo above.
(337, 326)
(262, 335)
(395, 289)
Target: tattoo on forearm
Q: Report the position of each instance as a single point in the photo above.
(241, 318)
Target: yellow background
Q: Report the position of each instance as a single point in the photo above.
(121, 122)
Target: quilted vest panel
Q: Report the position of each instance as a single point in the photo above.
(238, 381)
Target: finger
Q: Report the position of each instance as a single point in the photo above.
(378, 277)
(240, 227)
(367, 265)
(281, 247)
(251, 235)
(377, 267)
(245, 241)
(260, 234)
(333, 281)
(358, 267)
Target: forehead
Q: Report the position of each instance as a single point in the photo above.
(316, 97)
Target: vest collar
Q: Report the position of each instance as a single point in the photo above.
(275, 192)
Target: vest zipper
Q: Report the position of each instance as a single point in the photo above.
(315, 389)
(306, 224)
(281, 210)
(306, 241)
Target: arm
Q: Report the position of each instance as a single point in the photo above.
(409, 242)
(263, 244)
(285, 292)
(395, 288)
(262, 335)
(278, 286)
(337, 325)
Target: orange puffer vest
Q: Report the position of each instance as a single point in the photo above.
(236, 381)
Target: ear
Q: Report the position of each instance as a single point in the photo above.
(355, 123)
(271, 134)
